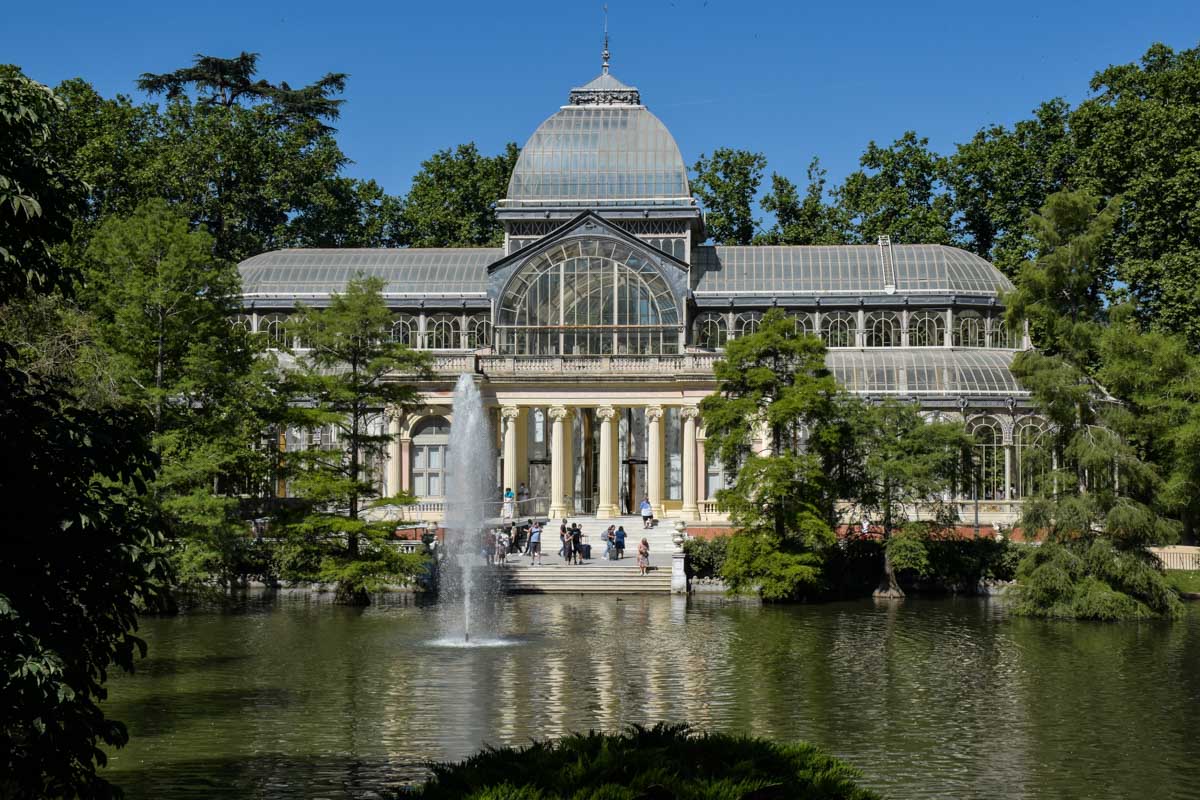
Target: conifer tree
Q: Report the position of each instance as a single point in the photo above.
(349, 375)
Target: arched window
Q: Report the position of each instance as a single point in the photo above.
(926, 329)
(999, 335)
(804, 322)
(441, 332)
(1032, 461)
(479, 332)
(839, 329)
(883, 329)
(969, 329)
(711, 330)
(430, 441)
(243, 321)
(988, 459)
(274, 327)
(746, 323)
(404, 330)
(587, 297)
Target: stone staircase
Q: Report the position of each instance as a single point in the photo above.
(557, 577)
(595, 576)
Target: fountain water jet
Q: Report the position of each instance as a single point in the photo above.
(469, 494)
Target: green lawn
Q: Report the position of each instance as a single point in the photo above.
(1184, 580)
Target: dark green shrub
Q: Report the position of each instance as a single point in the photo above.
(666, 761)
(705, 557)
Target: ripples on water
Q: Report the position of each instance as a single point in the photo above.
(929, 698)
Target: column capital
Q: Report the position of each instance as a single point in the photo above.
(654, 412)
(394, 413)
(689, 412)
(606, 412)
(509, 412)
(559, 412)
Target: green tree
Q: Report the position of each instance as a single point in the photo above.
(81, 559)
(1063, 292)
(1094, 506)
(809, 221)
(774, 384)
(1002, 176)
(908, 465)
(1139, 137)
(726, 184)
(899, 192)
(452, 202)
(347, 378)
(255, 163)
(163, 308)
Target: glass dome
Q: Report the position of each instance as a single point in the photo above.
(614, 154)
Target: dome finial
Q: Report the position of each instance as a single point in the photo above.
(604, 54)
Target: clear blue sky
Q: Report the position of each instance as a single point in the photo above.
(789, 79)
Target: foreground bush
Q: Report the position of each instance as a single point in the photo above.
(666, 762)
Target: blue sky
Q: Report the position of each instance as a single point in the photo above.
(791, 80)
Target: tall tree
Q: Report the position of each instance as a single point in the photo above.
(899, 192)
(726, 184)
(806, 221)
(80, 558)
(1139, 138)
(1064, 291)
(1002, 176)
(907, 464)
(452, 202)
(163, 308)
(774, 384)
(349, 376)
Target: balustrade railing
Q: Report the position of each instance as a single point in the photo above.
(619, 365)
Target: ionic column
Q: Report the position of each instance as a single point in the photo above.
(654, 465)
(606, 507)
(702, 469)
(1008, 471)
(558, 509)
(508, 417)
(569, 461)
(691, 511)
(395, 454)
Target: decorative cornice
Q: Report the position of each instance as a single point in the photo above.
(605, 97)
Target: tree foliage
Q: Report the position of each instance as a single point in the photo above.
(81, 558)
(346, 379)
(774, 384)
(726, 183)
(452, 202)
(807, 221)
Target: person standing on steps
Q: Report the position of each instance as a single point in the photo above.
(535, 543)
(643, 560)
(647, 512)
(576, 544)
(563, 540)
(620, 541)
(523, 498)
(506, 508)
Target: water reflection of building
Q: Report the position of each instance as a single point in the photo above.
(594, 328)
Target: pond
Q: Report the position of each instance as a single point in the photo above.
(295, 697)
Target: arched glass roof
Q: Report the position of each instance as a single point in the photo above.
(600, 155)
(843, 269)
(925, 372)
(423, 272)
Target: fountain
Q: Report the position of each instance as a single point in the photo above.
(470, 490)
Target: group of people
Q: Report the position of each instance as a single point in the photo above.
(500, 543)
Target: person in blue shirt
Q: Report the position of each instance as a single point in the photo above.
(620, 541)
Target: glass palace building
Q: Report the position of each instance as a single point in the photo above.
(593, 331)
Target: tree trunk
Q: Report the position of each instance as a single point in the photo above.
(889, 587)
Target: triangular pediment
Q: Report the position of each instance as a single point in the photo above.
(590, 224)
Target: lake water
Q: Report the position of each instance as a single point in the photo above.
(295, 697)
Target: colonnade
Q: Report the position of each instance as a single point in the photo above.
(607, 505)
